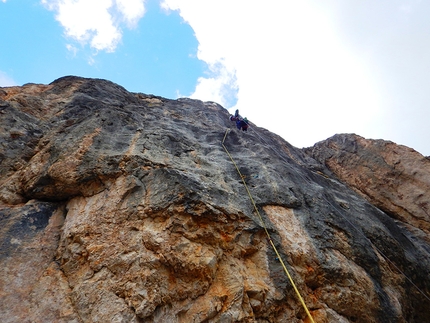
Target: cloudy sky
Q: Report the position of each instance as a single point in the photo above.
(305, 70)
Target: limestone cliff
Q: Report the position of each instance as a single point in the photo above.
(393, 177)
(124, 207)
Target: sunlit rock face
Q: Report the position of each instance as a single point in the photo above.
(393, 177)
(125, 207)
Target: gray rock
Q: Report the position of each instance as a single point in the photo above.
(158, 225)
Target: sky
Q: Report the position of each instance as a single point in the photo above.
(305, 70)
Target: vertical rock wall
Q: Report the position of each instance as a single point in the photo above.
(124, 207)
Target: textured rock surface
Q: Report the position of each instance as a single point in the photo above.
(395, 178)
(124, 207)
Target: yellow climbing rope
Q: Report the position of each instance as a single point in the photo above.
(267, 232)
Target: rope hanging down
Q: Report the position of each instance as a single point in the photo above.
(346, 219)
(267, 231)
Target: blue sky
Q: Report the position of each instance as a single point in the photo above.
(158, 55)
(305, 70)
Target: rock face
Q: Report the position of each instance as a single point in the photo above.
(124, 207)
(392, 177)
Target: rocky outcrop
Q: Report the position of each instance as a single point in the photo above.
(392, 177)
(124, 207)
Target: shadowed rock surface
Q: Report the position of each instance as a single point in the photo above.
(124, 207)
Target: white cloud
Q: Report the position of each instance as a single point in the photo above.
(72, 49)
(96, 22)
(288, 69)
(131, 11)
(6, 80)
(303, 69)
(221, 84)
(221, 87)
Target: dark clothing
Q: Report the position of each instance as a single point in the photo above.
(241, 124)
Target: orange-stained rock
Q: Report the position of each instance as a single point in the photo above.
(393, 177)
(125, 207)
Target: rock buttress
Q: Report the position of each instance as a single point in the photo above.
(124, 207)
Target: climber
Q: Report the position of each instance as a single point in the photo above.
(241, 124)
